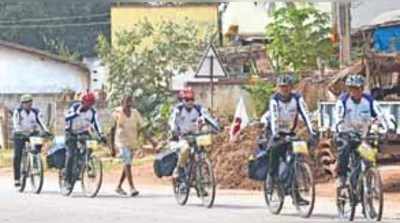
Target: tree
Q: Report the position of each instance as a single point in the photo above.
(260, 92)
(299, 37)
(143, 60)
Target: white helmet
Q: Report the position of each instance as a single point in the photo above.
(355, 80)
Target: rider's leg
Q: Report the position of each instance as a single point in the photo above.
(343, 147)
(71, 144)
(183, 158)
(276, 152)
(19, 144)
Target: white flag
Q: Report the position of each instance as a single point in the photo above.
(240, 120)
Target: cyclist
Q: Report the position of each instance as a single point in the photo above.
(80, 119)
(185, 120)
(285, 107)
(354, 110)
(26, 120)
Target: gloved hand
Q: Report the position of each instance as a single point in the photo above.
(113, 152)
(175, 135)
(103, 139)
(314, 139)
(275, 137)
(48, 135)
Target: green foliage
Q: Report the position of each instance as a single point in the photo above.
(260, 93)
(143, 60)
(299, 35)
(59, 48)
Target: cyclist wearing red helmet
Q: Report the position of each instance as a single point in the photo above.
(81, 119)
(184, 120)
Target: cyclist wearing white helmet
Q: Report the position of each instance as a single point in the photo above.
(285, 107)
(26, 121)
(354, 110)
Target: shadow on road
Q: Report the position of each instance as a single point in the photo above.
(230, 206)
(316, 215)
(116, 196)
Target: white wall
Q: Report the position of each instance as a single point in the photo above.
(98, 72)
(238, 13)
(22, 72)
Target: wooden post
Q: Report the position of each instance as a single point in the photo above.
(344, 31)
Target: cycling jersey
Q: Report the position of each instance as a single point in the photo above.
(357, 116)
(81, 121)
(284, 114)
(184, 120)
(27, 121)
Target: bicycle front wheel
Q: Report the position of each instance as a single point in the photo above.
(274, 194)
(24, 172)
(345, 203)
(303, 189)
(372, 195)
(36, 173)
(206, 183)
(92, 177)
(64, 189)
(181, 186)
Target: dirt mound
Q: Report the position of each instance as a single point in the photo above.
(230, 159)
(391, 181)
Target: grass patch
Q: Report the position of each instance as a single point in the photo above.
(6, 156)
(110, 163)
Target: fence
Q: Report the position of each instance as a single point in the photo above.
(53, 111)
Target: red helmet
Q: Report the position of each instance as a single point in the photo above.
(188, 94)
(88, 98)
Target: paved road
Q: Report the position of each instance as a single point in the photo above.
(155, 204)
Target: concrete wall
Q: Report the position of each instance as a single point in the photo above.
(226, 97)
(24, 72)
(125, 16)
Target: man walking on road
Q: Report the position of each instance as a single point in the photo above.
(128, 123)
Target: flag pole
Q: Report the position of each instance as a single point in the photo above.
(212, 82)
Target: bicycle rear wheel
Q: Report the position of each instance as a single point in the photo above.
(303, 187)
(36, 173)
(207, 185)
(372, 195)
(92, 177)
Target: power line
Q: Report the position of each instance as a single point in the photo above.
(54, 26)
(55, 18)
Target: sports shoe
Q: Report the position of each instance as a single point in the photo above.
(120, 191)
(17, 183)
(133, 192)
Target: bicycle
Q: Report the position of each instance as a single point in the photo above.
(32, 162)
(365, 185)
(297, 182)
(87, 168)
(198, 172)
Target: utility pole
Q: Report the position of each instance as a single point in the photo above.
(343, 16)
